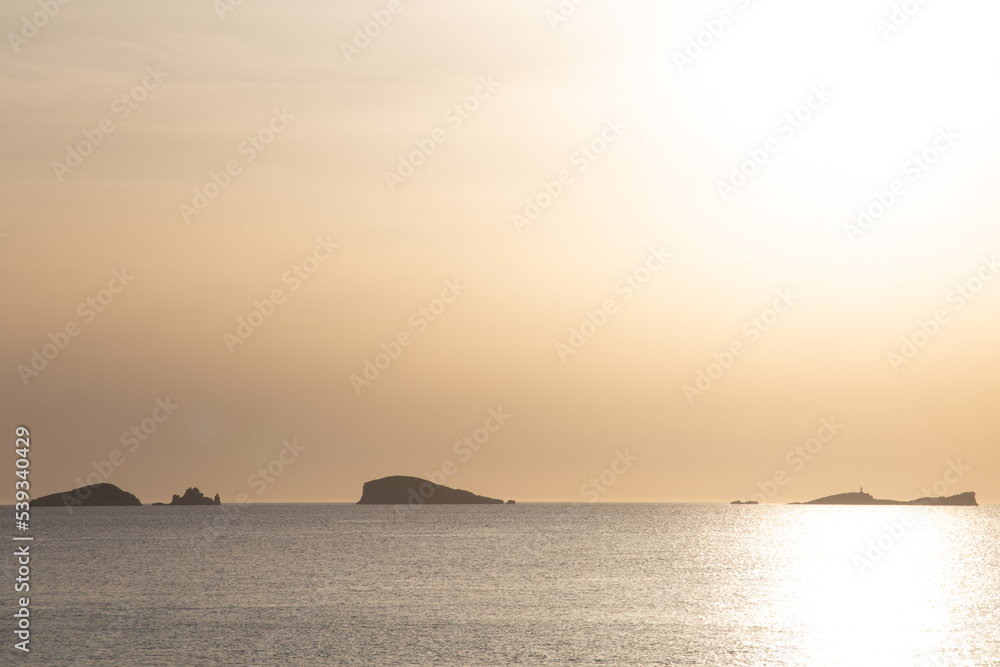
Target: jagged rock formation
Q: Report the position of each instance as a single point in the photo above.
(193, 497)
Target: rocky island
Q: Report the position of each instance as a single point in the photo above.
(403, 490)
(192, 497)
(95, 495)
(966, 499)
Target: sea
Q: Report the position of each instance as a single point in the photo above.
(525, 584)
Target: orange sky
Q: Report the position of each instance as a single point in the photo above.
(502, 248)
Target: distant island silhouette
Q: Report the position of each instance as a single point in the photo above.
(861, 498)
(743, 502)
(403, 490)
(95, 495)
(192, 497)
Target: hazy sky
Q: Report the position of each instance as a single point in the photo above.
(591, 210)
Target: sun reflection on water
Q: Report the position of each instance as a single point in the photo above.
(878, 585)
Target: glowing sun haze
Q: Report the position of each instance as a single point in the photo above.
(630, 248)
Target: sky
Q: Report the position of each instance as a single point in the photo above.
(625, 251)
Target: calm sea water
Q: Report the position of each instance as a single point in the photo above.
(530, 584)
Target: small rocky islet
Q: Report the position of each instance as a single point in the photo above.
(193, 496)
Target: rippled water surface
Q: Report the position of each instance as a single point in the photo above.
(514, 585)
